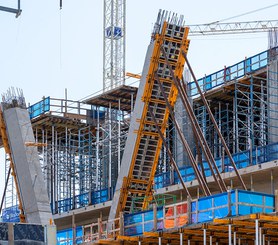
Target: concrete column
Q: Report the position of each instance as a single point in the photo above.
(210, 240)
(263, 239)
(181, 238)
(188, 242)
(205, 236)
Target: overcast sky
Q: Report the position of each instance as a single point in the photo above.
(46, 50)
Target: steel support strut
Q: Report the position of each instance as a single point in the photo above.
(173, 162)
(194, 164)
(196, 128)
(214, 122)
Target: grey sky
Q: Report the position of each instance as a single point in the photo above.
(47, 50)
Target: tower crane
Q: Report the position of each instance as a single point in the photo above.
(114, 27)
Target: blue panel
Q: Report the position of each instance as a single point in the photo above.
(132, 218)
(221, 212)
(205, 203)
(205, 216)
(148, 226)
(39, 108)
(148, 216)
(11, 214)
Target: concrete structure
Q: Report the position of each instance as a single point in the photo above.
(27, 166)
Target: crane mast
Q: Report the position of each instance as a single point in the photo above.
(114, 29)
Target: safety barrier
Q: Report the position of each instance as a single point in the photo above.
(230, 73)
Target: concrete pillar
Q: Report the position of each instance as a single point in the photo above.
(181, 238)
(205, 236)
(160, 240)
(210, 240)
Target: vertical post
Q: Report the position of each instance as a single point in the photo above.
(110, 151)
(230, 234)
(238, 241)
(229, 202)
(189, 210)
(205, 236)
(154, 217)
(121, 224)
(260, 236)
(188, 241)
(257, 232)
(276, 200)
(181, 238)
(73, 229)
(160, 240)
(119, 136)
(234, 238)
(99, 221)
(263, 239)
(97, 149)
(272, 182)
(251, 182)
(210, 240)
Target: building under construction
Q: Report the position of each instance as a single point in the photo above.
(175, 161)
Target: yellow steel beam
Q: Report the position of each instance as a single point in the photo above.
(129, 74)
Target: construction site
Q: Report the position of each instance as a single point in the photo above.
(177, 159)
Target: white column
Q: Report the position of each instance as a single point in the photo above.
(210, 240)
(188, 242)
(263, 239)
(205, 237)
(181, 238)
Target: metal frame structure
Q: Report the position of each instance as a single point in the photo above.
(114, 39)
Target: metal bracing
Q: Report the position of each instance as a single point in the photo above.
(114, 44)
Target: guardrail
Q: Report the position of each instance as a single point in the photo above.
(205, 209)
(243, 159)
(236, 71)
(59, 107)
